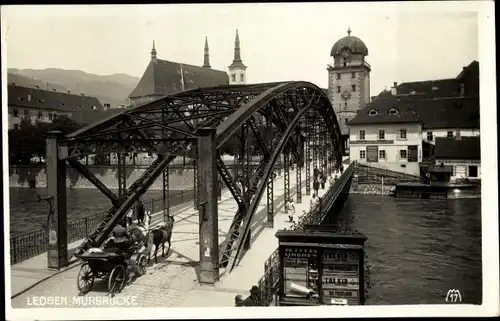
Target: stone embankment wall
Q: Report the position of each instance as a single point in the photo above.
(21, 176)
(376, 181)
(179, 177)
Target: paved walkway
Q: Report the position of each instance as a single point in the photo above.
(166, 284)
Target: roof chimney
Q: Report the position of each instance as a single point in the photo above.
(372, 98)
(13, 84)
(69, 91)
(37, 87)
(82, 94)
(394, 90)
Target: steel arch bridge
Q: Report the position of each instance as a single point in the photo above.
(292, 121)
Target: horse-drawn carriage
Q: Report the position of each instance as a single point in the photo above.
(117, 264)
(123, 257)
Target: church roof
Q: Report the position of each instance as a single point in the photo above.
(163, 77)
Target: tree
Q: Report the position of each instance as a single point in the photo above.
(28, 140)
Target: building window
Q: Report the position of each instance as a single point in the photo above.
(393, 111)
(362, 154)
(16, 126)
(233, 77)
(429, 136)
(453, 171)
(353, 87)
(338, 89)
(373, 112)
(345, 105)
(473, 171)
(345, 63)
(51, 116)
(26, 113)
(361, 134)
(15, 112)
(381, 134)
(381, 154)
(242, 77)
(449, 134)
(402, 134)
(40, 114)
(338, 76)
(403, 154)
(346, 120)
(353, 75)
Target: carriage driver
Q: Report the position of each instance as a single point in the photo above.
(119, 240)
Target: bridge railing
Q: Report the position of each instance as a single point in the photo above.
(269, 282)
(28, 245)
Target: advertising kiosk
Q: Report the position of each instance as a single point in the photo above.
(320, 267)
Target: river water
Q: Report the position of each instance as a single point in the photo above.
(419, 249)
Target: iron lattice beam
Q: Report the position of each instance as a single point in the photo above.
(169, 124)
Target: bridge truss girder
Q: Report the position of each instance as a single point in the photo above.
(272, 115)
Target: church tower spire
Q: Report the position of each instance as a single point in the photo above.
(153, 51)
(237, 69)
(237, 53)
(206, 60)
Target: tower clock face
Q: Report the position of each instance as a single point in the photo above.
(345, 52)
(346, 95)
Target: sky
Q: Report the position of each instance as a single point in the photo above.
(406, 41)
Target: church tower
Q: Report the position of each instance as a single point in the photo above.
(237, 70)
(206, 59)
(348, 79)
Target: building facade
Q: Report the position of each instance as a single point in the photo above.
(348, 79)
(43, 106)
(439, 109)
(461, 155)
(163, 77)
(388, 138)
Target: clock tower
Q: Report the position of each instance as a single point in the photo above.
(348, 79)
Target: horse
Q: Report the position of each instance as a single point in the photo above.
(162, 235)
(139, 231)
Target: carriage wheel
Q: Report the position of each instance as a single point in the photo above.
(85, 279)
(141, 265)
(116, 280)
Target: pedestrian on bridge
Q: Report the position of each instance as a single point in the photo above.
(314, 200)
(316, 186)
(323, 179)
(291, 210)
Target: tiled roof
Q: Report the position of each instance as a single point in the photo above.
(464, 148)
(379, 112)
(448, 113)
(84, 109)
(43, 99)
(433, 113)
(163, 77)
(431, 88)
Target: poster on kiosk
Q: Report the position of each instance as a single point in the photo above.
(321, 268)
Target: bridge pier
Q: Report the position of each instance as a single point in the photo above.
(208, 206)
(57, 254)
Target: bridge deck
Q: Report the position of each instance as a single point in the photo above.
(173, 282)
